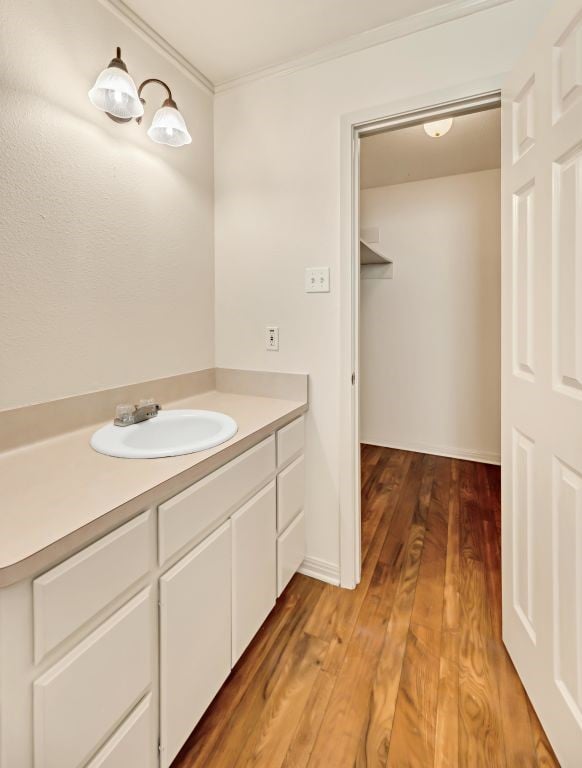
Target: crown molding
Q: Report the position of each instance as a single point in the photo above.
(408, 25)
(456, 9)
(149, 34)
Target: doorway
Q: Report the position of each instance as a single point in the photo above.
(430, 287)
(453, 103)
(428, 248)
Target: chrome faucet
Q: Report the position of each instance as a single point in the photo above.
(125, 415)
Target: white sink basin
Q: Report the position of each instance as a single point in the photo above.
(170, 433)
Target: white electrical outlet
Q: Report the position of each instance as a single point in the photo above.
(317, 280)
(272, 338)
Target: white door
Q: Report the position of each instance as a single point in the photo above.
(542, 375)
(195, 638)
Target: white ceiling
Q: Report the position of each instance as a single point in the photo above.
(395, 157)
(226, 39)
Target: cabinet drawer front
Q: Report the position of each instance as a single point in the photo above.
(290, 493)
(72, 593)
(80, 700)
(290, 552)
(195, 637)
(290, 441)
(254, 567)
(133, 743)
(189, 516)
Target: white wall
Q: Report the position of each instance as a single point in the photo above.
(430, 337)
(106, 239)
(277, 177)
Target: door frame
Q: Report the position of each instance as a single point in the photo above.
(470, 97)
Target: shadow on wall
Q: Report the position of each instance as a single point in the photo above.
(107, 237)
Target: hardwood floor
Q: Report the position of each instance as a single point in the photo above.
(409, 669)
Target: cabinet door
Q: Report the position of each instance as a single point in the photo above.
(195, 637)
(254, 567)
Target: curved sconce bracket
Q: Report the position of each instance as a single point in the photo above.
(169, 102)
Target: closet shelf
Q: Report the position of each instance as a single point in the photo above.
(370, 255)
(373, 264)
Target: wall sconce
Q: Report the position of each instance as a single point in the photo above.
(115, 94)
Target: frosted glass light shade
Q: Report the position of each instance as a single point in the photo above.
(168, 127)
(115, 92)
(438, 128)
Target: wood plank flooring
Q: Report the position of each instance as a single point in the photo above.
(409, 669)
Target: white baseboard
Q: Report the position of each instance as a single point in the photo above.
(485, 457)
(321, 569)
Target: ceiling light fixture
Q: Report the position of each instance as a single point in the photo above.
(438, 128)
(115, 94)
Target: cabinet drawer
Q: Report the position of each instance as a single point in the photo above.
(192, 514)
(72, 593)
(254, 567)
(290, 493)
(290, 441)
(133, 742)
(290, 552)
(80, 700)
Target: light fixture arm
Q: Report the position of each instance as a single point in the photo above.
(169, 102)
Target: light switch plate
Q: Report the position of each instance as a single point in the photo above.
(317, 280)
(272, 338)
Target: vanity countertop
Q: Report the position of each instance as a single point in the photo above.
(59, 495)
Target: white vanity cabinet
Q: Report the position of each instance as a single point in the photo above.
(110, 658)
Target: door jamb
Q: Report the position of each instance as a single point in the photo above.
(472, 97)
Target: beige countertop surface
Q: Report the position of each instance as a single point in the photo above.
(59, 495)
